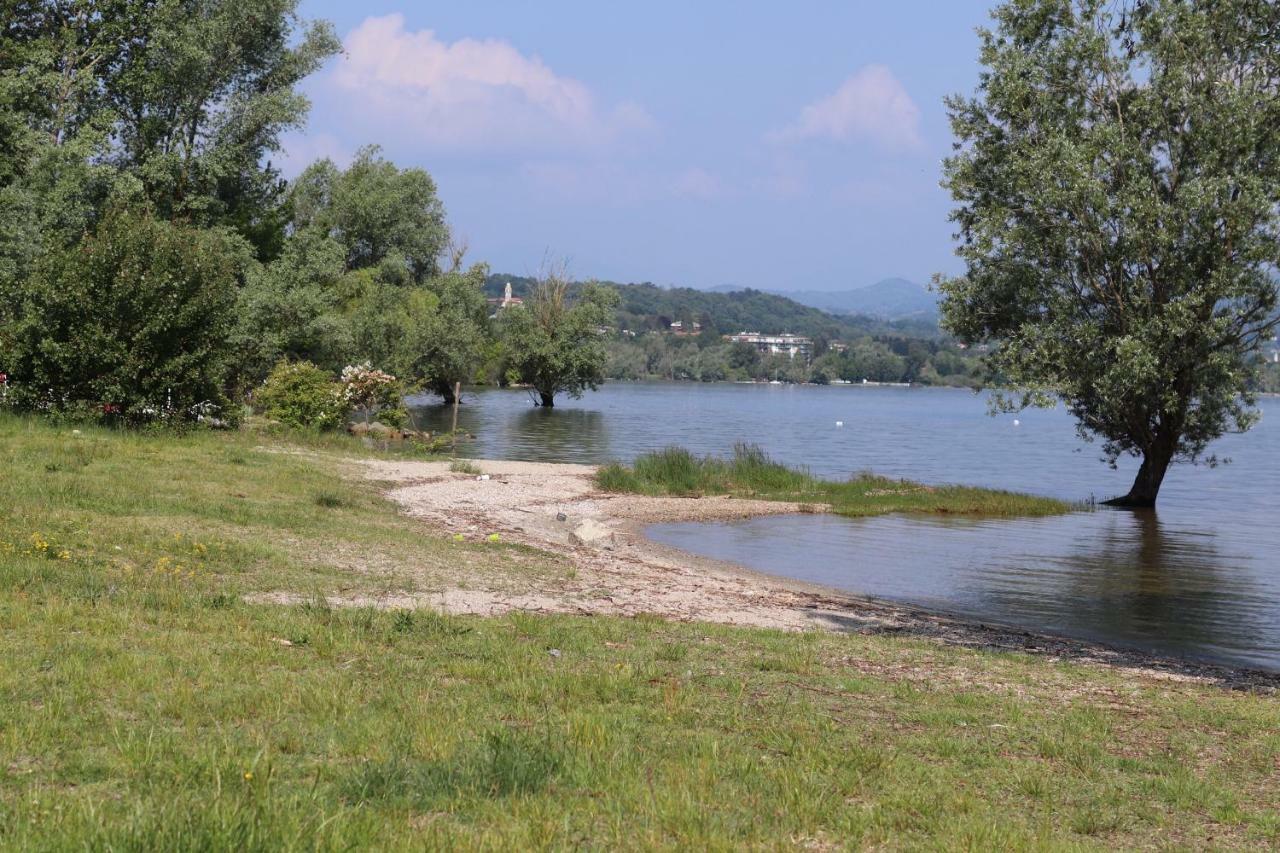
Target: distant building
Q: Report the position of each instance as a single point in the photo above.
(506, 301)
(678, 328)
(784, 344)
(838, 346)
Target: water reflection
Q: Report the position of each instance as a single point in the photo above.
(429, 415)
(572, 435)
(1137, 582)
(519, 431)
(1112, 576)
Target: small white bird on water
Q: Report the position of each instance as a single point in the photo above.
(839, 423)
(1017, 422)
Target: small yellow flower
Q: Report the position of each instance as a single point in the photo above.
(64, 555)
(248, 776)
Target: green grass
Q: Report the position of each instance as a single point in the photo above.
(143, 707)
(750, 473)
(465, 466)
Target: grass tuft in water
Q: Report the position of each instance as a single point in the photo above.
(751, 473)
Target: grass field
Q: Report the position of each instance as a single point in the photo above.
(750, 473)
(145, 705)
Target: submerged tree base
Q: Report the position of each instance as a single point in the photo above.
(1131, 502)
(750, 473)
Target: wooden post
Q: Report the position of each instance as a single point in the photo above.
(457, 395)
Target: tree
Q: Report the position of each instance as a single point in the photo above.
(378, 212)
(557, 347)
(1118, 181)
(132, 322)
(172, 107)
(182, 99)
(448, 348)
(290, 309)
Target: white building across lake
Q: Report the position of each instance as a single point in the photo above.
(790, 345)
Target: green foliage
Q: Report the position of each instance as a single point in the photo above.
(749, 472)
(1119, 207)
(361, 277)
(180, 100)
(168, 106)
(556, 346)
(133, 321)
(442, 332)
(299, 394)
(291, 309)
(377, 212)
(878, 359)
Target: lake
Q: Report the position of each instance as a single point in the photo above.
(1200, 577)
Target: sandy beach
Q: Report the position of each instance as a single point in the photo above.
(557, 508)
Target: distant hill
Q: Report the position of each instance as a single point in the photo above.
(648, 307)
(891, 299)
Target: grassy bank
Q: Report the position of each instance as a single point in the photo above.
(750, 473)
(145, 705)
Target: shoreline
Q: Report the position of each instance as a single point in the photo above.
(617, 570)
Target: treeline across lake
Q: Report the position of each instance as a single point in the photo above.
(647, 307)
(678, 333)
(878, 358)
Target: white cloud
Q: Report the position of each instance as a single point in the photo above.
(870, 105)
(471, 92)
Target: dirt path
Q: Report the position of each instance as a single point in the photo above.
(557, 508)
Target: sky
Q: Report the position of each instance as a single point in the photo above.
(778, 146)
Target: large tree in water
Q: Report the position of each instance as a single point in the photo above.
(1118, 180)
(555, 344)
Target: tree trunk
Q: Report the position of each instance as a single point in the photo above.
(445, 390)
(548, 400)
(1146, 486)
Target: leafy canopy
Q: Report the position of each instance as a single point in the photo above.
(375, 211)
(556, 346)
(1118, 181)
(134, 319)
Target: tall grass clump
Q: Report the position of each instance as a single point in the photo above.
(675, 470)
(751, 473)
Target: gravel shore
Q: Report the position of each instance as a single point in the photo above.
(558, 509)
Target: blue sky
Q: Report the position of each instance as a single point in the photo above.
(776, 146)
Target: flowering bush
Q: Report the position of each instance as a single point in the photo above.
(367, 389)
(302, 395)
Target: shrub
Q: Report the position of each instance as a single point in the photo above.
(131, 324)
(367, 389)
(300, 394)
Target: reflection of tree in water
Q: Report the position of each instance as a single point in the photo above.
(1165, 590)
(432, 416)
(503, 432)
(562, 435)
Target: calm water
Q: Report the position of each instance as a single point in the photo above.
(1201, 577)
